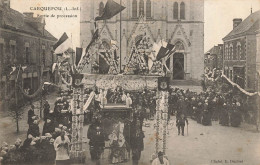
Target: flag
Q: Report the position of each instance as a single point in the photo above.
(13, 69)
(80, 52)
(62, 44)
(91, 96)
(53, 67)
(113, 42)
(151, 59)
(156, 48)
(94, 37)
(170, 46)
(162, 43)
(111, 9)
(24, 67)
(138, 42)
(161, 53)
(47, 83)
(164, 64)
(150, 63)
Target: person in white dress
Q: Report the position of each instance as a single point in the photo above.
(123, 97)
(160, 160)
(61, 145)
(128, 100)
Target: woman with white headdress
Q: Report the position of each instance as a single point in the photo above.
(61, 145)
(128, 100)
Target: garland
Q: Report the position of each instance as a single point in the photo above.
(161, 121)
(241, 89)
(36, 93)
(110, 62)
(232, 83)
(64, 81)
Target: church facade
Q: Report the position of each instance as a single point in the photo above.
(179, 22)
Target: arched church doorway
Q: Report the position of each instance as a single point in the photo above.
(178, 62)
(178, 66)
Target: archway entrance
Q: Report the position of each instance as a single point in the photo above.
(178, 66)
(116, 116)
(103, 65)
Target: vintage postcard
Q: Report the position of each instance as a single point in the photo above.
(130, 82)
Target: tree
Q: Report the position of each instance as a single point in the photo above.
(16, 112)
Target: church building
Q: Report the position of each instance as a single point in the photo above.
(179, 22)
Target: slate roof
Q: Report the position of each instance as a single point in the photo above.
(249, 26)
(17, 21)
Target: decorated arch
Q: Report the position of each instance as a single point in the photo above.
(128, 83)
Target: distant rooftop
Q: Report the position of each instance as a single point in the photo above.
(249, 26)
(17, 21)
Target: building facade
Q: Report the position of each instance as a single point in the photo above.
(214, 57)
(258, 58)
(240, 47)
(24, 44)
(180, 22)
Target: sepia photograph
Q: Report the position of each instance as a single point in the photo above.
(130, 82)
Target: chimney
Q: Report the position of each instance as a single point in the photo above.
(236, 22)
(38, 23)
(28, 14)
(6, 3)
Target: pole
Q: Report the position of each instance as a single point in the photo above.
(40, 73)
(41, 106)
(120, 56)
(16, 101)
(187, 129)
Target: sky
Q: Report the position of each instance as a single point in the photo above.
(218, 16)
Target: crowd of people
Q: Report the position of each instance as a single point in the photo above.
(207, 106)
(204, 107)
(44, 146)
(125, 135)
(119, 132)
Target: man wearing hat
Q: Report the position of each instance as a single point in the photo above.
(160, 160)
(224, 116)
(30, 115)
(46, 110)
(180, 123)
(48, 126)
(34, 129)
(96, 143)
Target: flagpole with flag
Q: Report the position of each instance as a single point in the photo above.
(62, 45)
(111, 9)
(120, 56)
